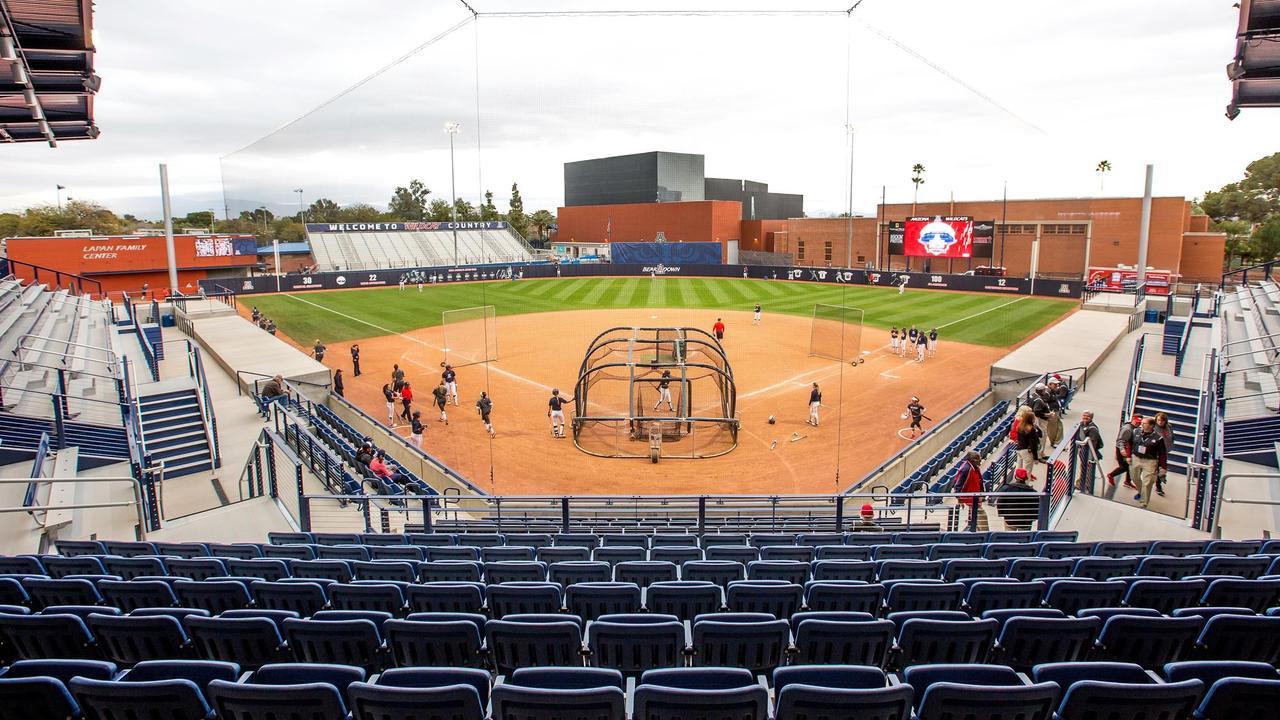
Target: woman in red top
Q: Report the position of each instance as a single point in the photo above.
(718, 329)
(969, 480)
(406, 400)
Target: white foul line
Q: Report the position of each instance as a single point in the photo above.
(388, 331)
(984, 312)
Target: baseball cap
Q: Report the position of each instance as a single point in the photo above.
(1040, 386)
(867, 510)
(1137, 417)
(1021, 473)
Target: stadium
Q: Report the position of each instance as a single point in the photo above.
(677, 450)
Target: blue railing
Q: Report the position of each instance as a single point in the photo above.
(1131, 387)
(37, 471)
(1262, 270)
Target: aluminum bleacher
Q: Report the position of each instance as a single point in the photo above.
(338, 248)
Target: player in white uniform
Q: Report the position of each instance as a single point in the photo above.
(555, 411)
(894, 343)
(755, 319)
(922, 344)
(903, 279)
(450, 379)
(664, 391)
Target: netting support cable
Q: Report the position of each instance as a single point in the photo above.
(479, 164)
(469, 8)
(844, 304)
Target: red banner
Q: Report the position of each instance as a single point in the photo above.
(940, 237)
(1122, 280)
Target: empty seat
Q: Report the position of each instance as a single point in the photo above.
(645, 572)
(953, 551)
(403, 693)
(798, 553)
(507, 554)
(969, 569)
(1058, 550)
(674, 539)
(839, 693)
(480, 540)
(720, 572)
(1147, 641)
(1248, 568)
(286, 691)
(899, 552)
(344, 642)
(290, 552)
(524, 597)
(304, 598)
(967, 691)
(1129, 701)
(248, 642)
(39, 697)
(913, 597)
(514, 571)
(532, 540)
(777, 598)
(922, 641)
(335, 570)
(1240, 698)
(377, 597)
(1104, 568)
(393, 570)
(633, 643)
(989, 595)
(792, 571)
(825, 639)
(735, 553)
(522, 644)
(656, 702)
(215, 596)
(568, 553)
(410, 553)
(1025, 642)
(129, 568)
(176, 698)
(436, 639)
(568, 572)
(1164, 595)
(451, 597)
(1178, 548)
(685, 599)
(35, 637)
(615, 555)
(1239, 548)
(843, 552)
(1257, 595)
(1072, 596)
(58, 567)
(537, 703)
(757, 645)
(1174, 568)
(46, 592)
(200, 568)
(999, 550)
(1120, 549)
(260, 568)
(1240, 637)
(449, 552)
(908, 570)
(844, 596)
(862, 570)
(675, 554)
(132, 639)
(591, 600)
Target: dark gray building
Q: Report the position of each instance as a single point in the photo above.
(641, 178)
(757, 202)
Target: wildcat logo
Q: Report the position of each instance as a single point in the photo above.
(247, 285)
(341, 280)
(1064, 289)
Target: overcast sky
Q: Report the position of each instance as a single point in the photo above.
(1059, 86)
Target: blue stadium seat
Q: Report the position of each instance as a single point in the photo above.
(182, 550)
(1249, 568)
(1147, 641)
(1237, 698)
(45, 592)
(1129, 701)
(304, 598)
(1025, 642)
(215, 596)
(616, 554)
(1007, 550)
(132, 639)
(71, 548)
(21, 565)
(261, 568)
(797, 553)
(792, 571)
(436, 639)
(505, 571)
(439, 553)
(908, 570)
(58, 566)
(293, 551)
(843, 552)
(536, 703)
(1257, 595)
(987, 595)
(686, 599)
(758, 645)
(779, 599)
(243, 551)
(392, 570)
(923, 641)
(844, 596)
(201, 568)
(480, 540)
(450, 597)
(839, 693)
(128, 548)
(674, 539)
(591, 600)
(341, 642)
(507, 553)
(39, 697)
(524, 597)
(531, 540)
(633, 643)
(645, 572)
(60, 670)
(526, 644)
(408, 553)
(828, 641)
(1174, 568)
(432, 539)
(1178, 548)
(899, 552)
(248, 642)
(175, 698)
(286, 691)
(1239, 548)
(1104, 568)
(129, 595)
(1061, 550)
(1211, 671)
(734, 553)
(656, 702)
(38, 637)
(409, 693)
(720, 572)
(1120, 549)
(566, 678)
(836, 569)
(913, 597)
(974, 568)
(364, 595)
(675, 555)
(570, 572)
(1240, 637)
(1164, 595)
(586, 540)
(955, 551)
(1072, 596)
(868, 539)
(338, 571)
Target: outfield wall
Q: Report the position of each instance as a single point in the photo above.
(471, 273)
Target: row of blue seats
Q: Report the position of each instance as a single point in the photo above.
(340, 430)
(568, 572)
(323, 461)
(948, 456)
(307, 596)
(347, 453)
(70, 690)
(635, 642)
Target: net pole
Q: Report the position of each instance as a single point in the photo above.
(844, 293)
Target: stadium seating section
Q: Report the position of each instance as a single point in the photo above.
(415, 249)
(545, 625)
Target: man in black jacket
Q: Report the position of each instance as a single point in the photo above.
(1088, 451)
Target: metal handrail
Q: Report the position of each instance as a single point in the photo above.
(137, 502)
(1222, 491)
(111, 355)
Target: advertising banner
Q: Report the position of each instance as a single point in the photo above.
(1126, 279)
(404, 226)
(897, 229)
(984, 238)
(940, 237)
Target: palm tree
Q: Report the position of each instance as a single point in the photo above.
(1104, 167)
(917, 177)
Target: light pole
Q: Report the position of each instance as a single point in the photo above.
(60, 189)
(213, 218)
(263, 208)
(302, 217)
(452, 129)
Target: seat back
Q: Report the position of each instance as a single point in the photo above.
(621, 643)
(591, 600)
(521, 644)
(779, 599)
(133, 639)
(524, 598)
(570, 572)
(447, 702)
(686, 599)
(922, 641)
(1092, 698)
(946, 700)
(1025, 642)
(445, 597)
(831, 642)
(800, 700)
(443, 643)
(246, 701)
(248, 642)
(1147, 641)
(47, 636)
(1241, 637)
(344, 642)
(216, 596)
(757, 646)
(916, 597)
(1238, 697)
(655, 702)
(645, 572)
(531, 703)
(151, 699)
(844, 596)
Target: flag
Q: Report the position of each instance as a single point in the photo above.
(62, 187)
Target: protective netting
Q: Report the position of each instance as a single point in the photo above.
(836, 333)
(470, 335)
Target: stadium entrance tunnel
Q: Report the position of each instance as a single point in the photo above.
(655, 392)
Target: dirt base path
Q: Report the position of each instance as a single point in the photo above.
(773, 371)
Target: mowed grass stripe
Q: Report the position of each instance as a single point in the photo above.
(401, 311)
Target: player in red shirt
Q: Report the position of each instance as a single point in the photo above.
(718, 329)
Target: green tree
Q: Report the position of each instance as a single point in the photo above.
(541, 220)
(1102, 168)
(323, 210)
(358, 212)
(409, 203)
(287, 230)
(1255, 198)
(198, 219)
(465, 210)
(488, 211)
(440, 210)
(917, 179)
(9, 224)
(1265, 245)
(73, 215)
(516, 217)
(1238, 235)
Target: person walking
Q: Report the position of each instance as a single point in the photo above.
(441, 395)
(555, 411)
(1124, 452)
(815, 402)
(755, 316)
(416, 427)
(718, 329)
(1088, 451)
(337, 382)
(1162, 426)
(406, 400)
(1029, 438)
(317, 351)
(450, 378)
(484, 406)
(1148, 450)
(397, 377)
(355, 361)
(391, 397)
(969, 480)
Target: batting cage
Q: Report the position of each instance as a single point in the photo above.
(836, 333)
(654, 393)
(470, 335)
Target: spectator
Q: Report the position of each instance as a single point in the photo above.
(1162, 426)
(1019, 513)
(271, 327)
(318, 351)
(969, 480)
(256, 315)
(378, 466)
(1029, 438)
(1124, 451)
(1053, 425)
(1060, 392)
(337, 382)
(866, 520)
(1088, 450)
(364, 457)
(273, 392)
(1147, 454)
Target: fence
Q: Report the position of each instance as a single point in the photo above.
(692, 513)
(1241, 276)
(273, 470)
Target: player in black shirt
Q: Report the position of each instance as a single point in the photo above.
(441, 395)
(416, 426)
(484, 406)
(450, 379)
(355, 361)
(555, 411)
(815, 402)
(390, 395)
(916, 411)
(318, 351)
(664, 391)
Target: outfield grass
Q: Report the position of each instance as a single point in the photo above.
(401, 311)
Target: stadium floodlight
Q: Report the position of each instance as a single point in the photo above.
(452, 128)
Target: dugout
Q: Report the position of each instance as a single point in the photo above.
(618, 406)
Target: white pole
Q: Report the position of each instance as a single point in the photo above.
(1144, 232)
(275, 252)
(168, 229)
(453, 195)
